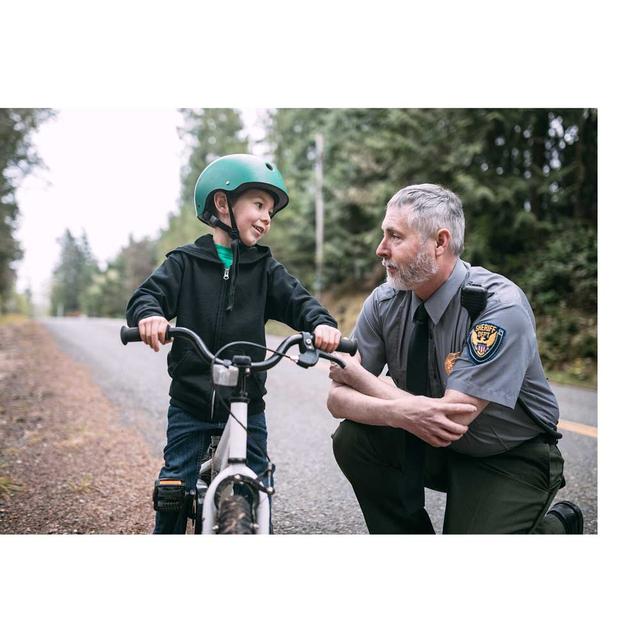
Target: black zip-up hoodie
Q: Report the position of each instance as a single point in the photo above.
(190, 286)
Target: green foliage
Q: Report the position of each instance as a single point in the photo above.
(109, 290)
(517, 172)
(291, 134)
(17, 158)
(561, 283)
(22, 303)
(527, 179)
(73, 275)
(564, 271)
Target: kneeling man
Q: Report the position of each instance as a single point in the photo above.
(470, 412)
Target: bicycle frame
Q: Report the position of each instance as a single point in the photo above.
(228, 464)
(232, 445)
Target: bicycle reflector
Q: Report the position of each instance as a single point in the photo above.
(225, 376)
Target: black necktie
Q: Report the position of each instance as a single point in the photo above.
(417, 381)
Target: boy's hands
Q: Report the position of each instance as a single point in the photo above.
(326, 337)
(152, 331)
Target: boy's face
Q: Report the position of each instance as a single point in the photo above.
(253, 211)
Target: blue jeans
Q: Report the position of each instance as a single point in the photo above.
(187, 441)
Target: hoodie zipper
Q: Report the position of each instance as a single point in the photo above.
(216, 340)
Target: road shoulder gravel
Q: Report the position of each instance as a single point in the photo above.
(67, 465)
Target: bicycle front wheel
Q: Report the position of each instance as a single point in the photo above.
(234, 516)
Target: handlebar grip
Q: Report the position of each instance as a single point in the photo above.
(348, 346)
(130, 334)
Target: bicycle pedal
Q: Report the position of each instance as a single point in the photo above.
(169, 494)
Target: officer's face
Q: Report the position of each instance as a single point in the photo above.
(408, 259)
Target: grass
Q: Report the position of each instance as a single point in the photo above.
(82, 485)
(12, 319)
(7, 487)
(564, 377)
(77, 436)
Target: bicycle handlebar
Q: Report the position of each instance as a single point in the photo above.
(132, 334)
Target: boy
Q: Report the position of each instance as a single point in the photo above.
(224, 287)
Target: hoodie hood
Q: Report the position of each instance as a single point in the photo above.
(204, 248)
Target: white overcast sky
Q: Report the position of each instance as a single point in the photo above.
(109, 172)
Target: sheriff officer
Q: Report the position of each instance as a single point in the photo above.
(470, 412)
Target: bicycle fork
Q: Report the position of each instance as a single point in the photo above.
(230, 461)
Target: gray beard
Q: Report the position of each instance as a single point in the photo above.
(413, 274)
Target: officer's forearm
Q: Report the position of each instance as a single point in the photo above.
(376, 387)
(357, 377)
(346, 402)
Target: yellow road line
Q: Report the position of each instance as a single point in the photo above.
(577, 427)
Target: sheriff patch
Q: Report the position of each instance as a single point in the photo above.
(484, 341)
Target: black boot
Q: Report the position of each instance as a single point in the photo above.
(570, 515)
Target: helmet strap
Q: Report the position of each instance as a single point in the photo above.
(216, 222)
(234, 234)
(235, 248)
(212, 219)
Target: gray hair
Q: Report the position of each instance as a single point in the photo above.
(433, 207)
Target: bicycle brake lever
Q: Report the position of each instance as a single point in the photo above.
(308, 353)
(308, 359)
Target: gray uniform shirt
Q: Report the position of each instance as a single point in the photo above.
(496, 359)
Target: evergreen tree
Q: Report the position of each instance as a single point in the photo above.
(17, 158)
(291, 135)
(109, 290)
(72, 275)
(519, 174)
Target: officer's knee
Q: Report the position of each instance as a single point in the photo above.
(344, 445)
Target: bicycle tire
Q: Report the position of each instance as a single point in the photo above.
(234, 516)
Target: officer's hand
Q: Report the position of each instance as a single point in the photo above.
(153, 330)
(326, 337)
(428, 419)
(351, 371)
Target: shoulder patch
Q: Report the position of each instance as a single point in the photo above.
(484, 341)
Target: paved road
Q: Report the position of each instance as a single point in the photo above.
(312, 495)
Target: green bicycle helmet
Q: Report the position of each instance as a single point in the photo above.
(234, 174)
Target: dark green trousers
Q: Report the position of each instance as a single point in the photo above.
(505, 493)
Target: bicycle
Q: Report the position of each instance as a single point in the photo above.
(229, 497)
